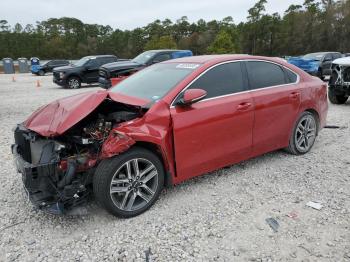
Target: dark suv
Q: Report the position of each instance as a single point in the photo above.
(83, 71)
(48, 67)
(111, 74)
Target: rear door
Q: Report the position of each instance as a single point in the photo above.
(276, 97)
(216, 131)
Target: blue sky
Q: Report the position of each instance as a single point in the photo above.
(131, 13)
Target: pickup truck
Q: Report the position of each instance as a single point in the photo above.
(83, 71)
(113, 73)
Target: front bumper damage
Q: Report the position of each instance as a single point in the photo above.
(49, 186)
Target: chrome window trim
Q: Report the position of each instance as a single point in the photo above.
(172, 105)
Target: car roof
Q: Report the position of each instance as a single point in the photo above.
(167, 50)
(323, 53)
(99, 56)
(212, 59)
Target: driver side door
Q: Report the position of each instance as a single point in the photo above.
(91, 70)
(216, 131)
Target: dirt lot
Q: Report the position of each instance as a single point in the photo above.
(217, 217)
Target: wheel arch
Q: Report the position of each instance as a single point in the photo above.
(74, 75)
(157, 150)
(317, 117)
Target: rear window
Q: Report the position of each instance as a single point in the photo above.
(265, 74)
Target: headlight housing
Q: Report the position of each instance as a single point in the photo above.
(61, 74)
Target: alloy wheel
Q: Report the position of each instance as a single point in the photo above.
(305, 134)
(134, 184)
(73, 83)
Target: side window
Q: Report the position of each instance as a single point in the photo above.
(221, 80)
(328, 57)
(162, 57)
(108, 60)
(291, 76)
(102, 61)
(93, 63)
(112, 59)
(336, 56)
(264, 74)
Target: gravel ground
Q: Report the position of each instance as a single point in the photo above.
(216, 217)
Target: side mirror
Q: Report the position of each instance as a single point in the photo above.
(327, 59)
(155, 61)
(191, 96)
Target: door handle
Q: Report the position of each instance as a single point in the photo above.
(244, 106)
(294, 95)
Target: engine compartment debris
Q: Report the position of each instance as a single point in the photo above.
(57, 171)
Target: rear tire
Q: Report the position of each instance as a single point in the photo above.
(41, 73)
(73, 82)
(129, 184)
(304, 134)
(335, 98)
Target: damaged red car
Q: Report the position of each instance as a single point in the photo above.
(165, 124)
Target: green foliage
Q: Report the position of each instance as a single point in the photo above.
(163, 42)
(222, 44)
(317, 25)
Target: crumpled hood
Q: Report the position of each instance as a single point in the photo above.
(58, 116)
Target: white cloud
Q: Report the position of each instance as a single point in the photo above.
(132, 13)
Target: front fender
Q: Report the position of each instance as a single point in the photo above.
(155, 127)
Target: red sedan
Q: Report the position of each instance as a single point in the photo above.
(163, 125)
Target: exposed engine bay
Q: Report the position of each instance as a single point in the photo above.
(57, 171)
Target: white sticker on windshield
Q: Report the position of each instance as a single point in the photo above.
(187, 66)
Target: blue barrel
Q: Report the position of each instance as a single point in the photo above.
(9, 67)
(34, 65)
(23, 65)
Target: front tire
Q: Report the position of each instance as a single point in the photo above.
(336, 98)
(73, 82)
(129, 184)
(304, 134)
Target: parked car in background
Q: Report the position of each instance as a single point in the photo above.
(83, 71)
(111, 74)
(316, 64)
(48, 67)
(339, 83)
(168, 123)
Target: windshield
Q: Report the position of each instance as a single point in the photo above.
(154, 82)
(144, 57)
(82, 61)
(314, 56)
